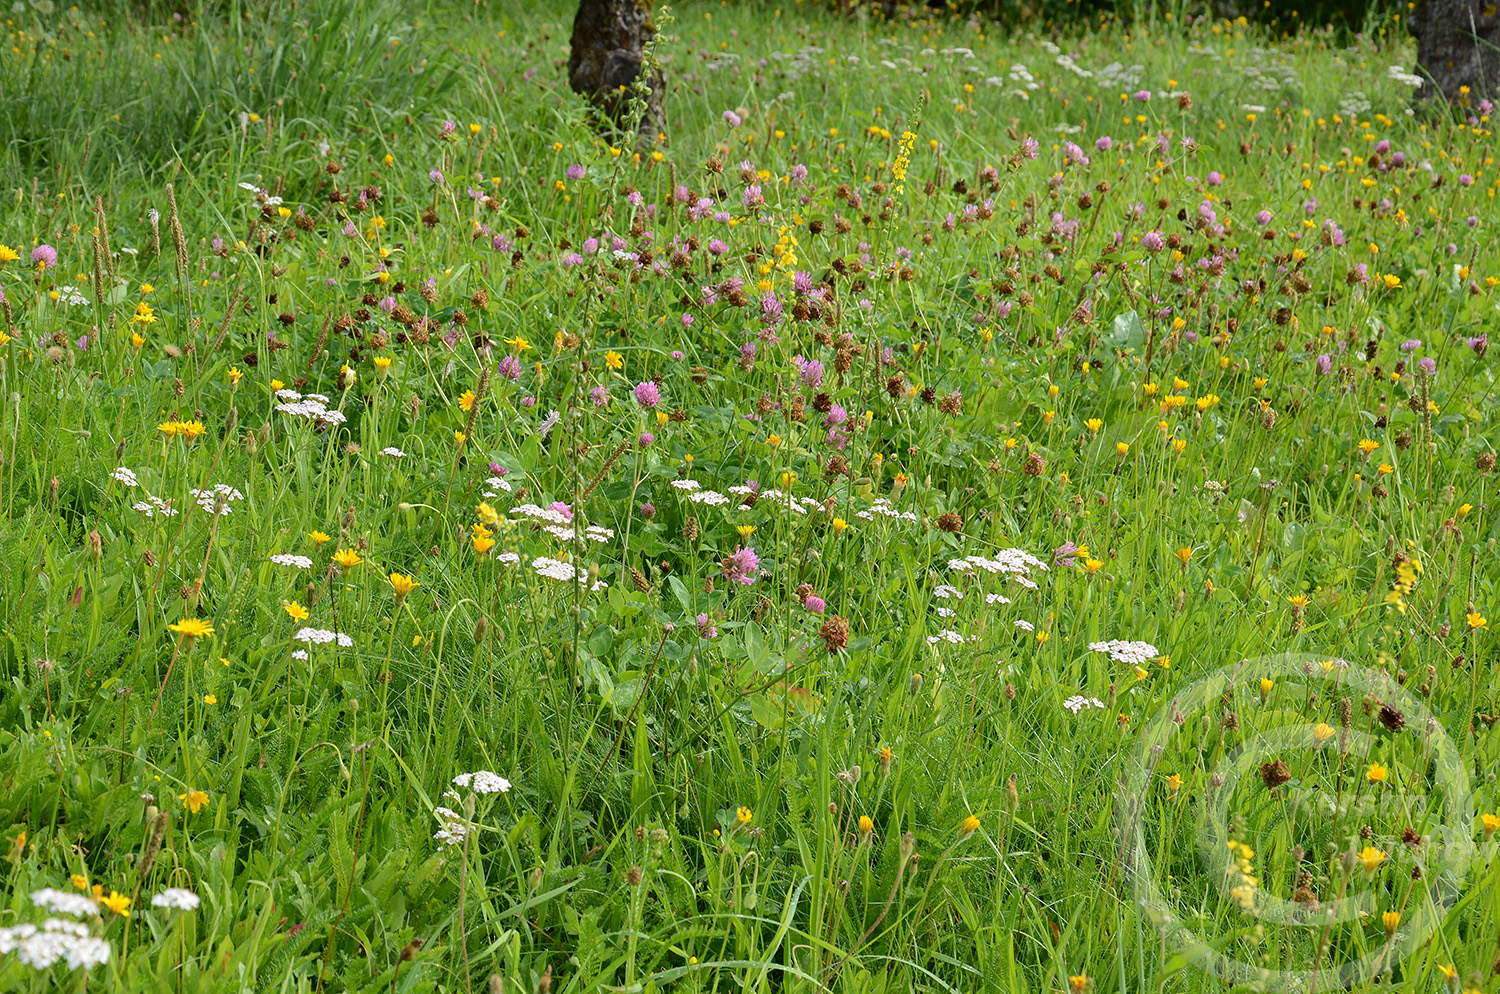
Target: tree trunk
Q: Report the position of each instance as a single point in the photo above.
(609, 37)
(1458, 45)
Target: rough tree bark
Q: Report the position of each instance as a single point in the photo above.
(608, 39)
(1458, 45)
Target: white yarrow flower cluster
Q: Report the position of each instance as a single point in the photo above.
(1078, 703)
(124, 475)
(313, 407)
(553, 569)
(176, 899)
(152, 507)
(545, 514)
(710, 497)
(62, 902)
(321, 636)
(454, 829)
(483, 782)
(55, 941)
(882, 507)
(211, 498)
(1134, 653)
(496, 485)
(292, 559)
(685, 484)
(946, 635)
(393, 452)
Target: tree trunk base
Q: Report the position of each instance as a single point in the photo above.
(609, 37)
(1458, 45)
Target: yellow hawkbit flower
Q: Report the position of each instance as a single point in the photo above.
(969, 827)
(1322, 732)
(1377, 773)
(118, 903)
(482, 543)
(347, 558)
(403, 585)
(1183, 555)
(743, 816)
(297, 611)
(466, 400)
(1367, 445)
(192, 628)
(614, 360)
(1476, 620)
(318, 538)
(194, 800)
(1093, 424)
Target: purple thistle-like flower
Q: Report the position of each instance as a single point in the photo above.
(732, 119)
(45, 256)
(510, 368)
(706, 628)
(742, 566)
(1103, 144)
(1152, 241)
(1325, 364)
(646, 439)
(647, 394)
(814, 603)
(1428, 364)
(576, 172)
(436, 175)
(836, 415)
(1411, 345)
(1480, 344)
(1063, 554)
(648, 510)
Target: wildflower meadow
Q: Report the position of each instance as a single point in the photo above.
(960, 508)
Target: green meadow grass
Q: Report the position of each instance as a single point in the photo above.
(1056, 405)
